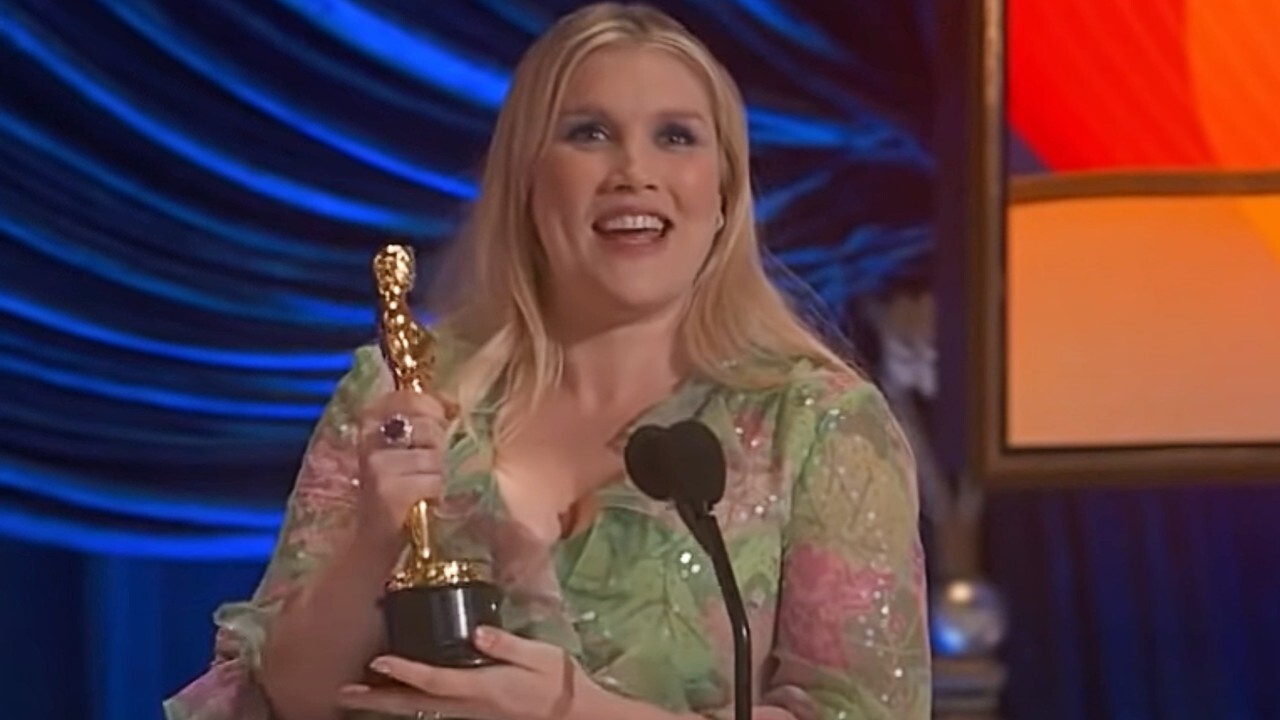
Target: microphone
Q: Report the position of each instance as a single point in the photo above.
(684, 465)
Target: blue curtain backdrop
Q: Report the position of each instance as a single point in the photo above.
(190, 193)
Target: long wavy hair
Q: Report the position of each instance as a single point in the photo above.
(488, 290)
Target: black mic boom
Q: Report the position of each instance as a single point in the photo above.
(685, 464)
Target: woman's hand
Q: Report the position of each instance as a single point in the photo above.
(397, 471)
(537, 682)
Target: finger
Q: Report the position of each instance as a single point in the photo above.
(404, 702)
(395, 494)
(400, 491)
(440, 682)
(521, 652)
(424, 431)
(395, 462)
(407, 402)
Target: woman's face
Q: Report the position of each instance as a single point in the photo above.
(626, 196)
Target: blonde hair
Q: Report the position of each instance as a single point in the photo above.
(488, 291)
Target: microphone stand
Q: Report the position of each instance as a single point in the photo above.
(707, 532)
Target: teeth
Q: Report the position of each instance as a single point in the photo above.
(633, 222)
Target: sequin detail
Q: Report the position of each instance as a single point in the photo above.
(819, 515)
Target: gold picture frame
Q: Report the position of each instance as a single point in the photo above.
(973, 196)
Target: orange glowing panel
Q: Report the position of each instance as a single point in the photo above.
(1141, 321)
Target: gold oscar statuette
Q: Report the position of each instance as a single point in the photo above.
(432, 604)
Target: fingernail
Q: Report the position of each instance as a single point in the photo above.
(482, 636)
(381, 665)
(355, 689)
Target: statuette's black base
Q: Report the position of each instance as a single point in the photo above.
(434, 625)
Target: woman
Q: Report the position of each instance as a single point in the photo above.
(610, 278)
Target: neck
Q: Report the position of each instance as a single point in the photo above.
(622, 364)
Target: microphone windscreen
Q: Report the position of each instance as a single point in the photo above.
(643, 459)
(696, 464)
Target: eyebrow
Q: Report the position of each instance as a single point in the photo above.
(673, 114)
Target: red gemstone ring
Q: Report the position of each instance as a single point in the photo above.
(397, 431)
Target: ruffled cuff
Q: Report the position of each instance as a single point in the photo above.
(229, 689)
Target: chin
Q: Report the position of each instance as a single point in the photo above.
(637, 304)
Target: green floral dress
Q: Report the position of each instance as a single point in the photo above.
(819, 515)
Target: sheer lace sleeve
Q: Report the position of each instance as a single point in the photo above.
(317, 516)
(852, 632)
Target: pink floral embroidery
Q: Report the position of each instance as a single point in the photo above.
(755, 478)
(821, 594)
(751, 425)
(329, 465)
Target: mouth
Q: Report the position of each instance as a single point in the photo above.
(632, 228)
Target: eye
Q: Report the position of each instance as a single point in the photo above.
(677, 134)
(585, 132)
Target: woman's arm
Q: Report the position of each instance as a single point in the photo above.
(323, 637)
(312, 621)
(852, 631)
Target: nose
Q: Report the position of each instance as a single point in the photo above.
(631, 170)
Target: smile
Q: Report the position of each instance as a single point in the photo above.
(632, 228)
